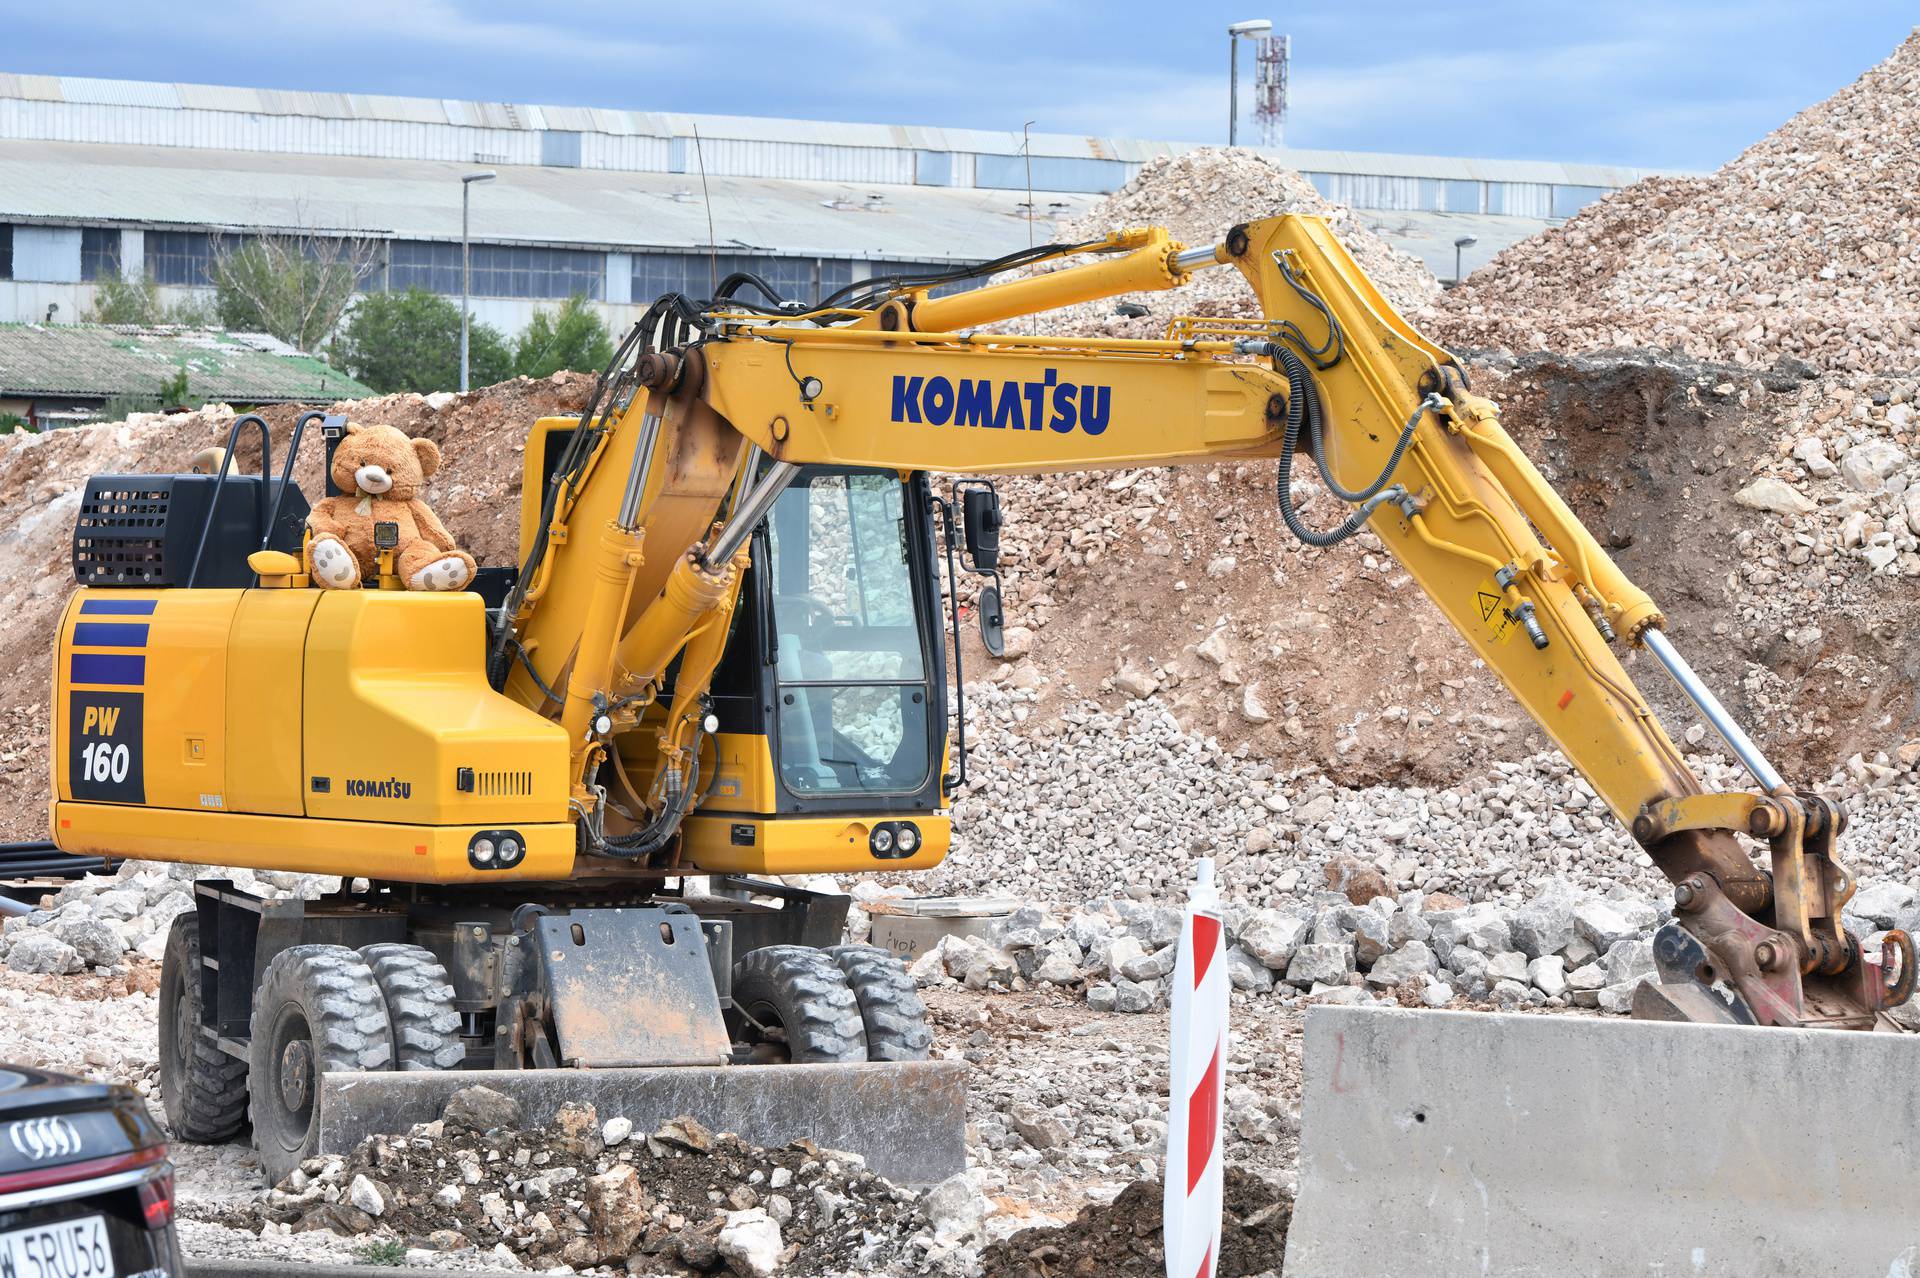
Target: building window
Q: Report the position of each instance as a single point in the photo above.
(423, 264)
(1462, 196)
(1568, 200)
(499, 270)
(99, 253)
(182, 258)
(6, 252)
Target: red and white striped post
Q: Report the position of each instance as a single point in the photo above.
(1190, 1210)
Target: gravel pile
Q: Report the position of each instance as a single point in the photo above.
(1517, 889)
(1804, 245)
(1197, 196)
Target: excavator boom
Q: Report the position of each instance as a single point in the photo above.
(1330, 374)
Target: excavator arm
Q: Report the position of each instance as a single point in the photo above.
(1329, 379)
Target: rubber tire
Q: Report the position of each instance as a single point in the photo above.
(420, 1006)
(202, 1089)
(890, 1006)
(806, 993)
(333, 990)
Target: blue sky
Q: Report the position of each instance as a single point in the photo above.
(1678, 84)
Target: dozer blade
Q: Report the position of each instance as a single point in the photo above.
(1437, 1144)
(907, 1119)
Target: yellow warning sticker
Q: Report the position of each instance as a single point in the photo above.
(1491, 604)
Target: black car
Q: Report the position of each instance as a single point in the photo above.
(86, 1190)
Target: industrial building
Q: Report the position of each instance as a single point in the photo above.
(104, 176)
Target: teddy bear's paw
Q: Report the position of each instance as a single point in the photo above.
(442, 574)
(333, 566)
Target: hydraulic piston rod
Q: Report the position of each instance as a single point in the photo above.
(1697, 692)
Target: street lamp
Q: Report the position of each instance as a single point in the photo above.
(1253, 27)
(1464, 242)
(466, 262)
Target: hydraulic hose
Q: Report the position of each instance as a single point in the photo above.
(645, 842)
(1304, 408)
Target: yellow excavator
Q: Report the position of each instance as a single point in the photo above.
(562, 802)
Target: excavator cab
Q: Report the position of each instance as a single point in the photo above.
(837, 663)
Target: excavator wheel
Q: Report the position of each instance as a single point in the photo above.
(318, 1009)
(798, 1004)
(890, 1007)
(420, 1006)
(203, 1090)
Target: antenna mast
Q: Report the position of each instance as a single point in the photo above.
(1271, 55)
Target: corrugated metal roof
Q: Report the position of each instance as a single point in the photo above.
(100, 361)
(503, 115)
(410, 199)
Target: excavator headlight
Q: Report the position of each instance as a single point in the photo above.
(496, 849)
(881, 841)
(908, 838)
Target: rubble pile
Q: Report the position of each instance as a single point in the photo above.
(1563, 948)
(1198, 195)
(587, 1193)
(102, 921)
(1803, 246)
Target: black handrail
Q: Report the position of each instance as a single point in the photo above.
(959, 672)
(286, 476)
(226, 464)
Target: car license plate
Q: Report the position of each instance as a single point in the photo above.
(62, 1249)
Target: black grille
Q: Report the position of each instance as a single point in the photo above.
(143, 530)
(503, 785)
(120, 537)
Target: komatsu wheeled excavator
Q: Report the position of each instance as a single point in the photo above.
(562, 803)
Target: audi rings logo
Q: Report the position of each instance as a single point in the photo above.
(39, 1139)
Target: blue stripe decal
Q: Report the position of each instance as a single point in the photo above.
(110, 634)
(118, 607)
(108, 667)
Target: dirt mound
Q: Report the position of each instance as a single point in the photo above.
(1803, 245)
(42, 477)
(683, 1200)
(1122, 1239)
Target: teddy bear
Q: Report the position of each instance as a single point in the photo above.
(380, 473)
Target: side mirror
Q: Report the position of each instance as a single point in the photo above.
(980, 525)
(993, 621)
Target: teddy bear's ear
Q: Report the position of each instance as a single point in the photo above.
(429, 454)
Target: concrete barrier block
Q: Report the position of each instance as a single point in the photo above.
(1441, 1144)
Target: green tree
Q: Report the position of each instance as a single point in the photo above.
(411, 342)
(571, 336)
(11, 422)
(121, 301)
(295, 287)
(174, 392)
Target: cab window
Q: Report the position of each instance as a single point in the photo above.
(850, 659)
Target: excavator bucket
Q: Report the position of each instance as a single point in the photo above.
(1436, 1144)
(907, 1119)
